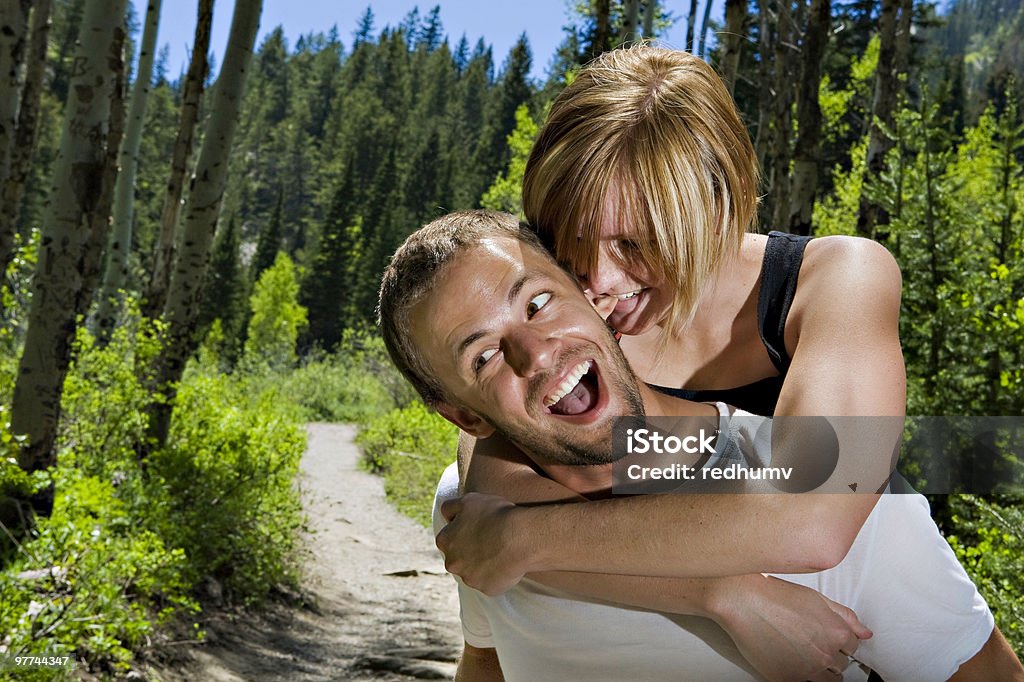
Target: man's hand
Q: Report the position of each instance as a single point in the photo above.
(479, 544)
(788, 631)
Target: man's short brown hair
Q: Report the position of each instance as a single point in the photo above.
(412, 273)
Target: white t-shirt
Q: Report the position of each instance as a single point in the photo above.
(900, 577)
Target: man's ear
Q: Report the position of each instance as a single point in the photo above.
(468, 421)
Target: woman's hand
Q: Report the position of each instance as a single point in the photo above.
(481, 546)
(784, 630)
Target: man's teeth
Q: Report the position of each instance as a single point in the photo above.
(624, 297)
(572, 380)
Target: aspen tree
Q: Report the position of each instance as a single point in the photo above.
(124, 192)
(200, 222)
(73, 230)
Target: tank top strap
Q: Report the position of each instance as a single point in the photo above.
(780, 268)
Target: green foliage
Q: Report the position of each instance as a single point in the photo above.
(15, 298)
(228, 469)
(410, 448)
(837, 212)
(840, 105)
(90, 582)
(131, 543)
(955, 216)
(277, 318)
(96, 577)
(225, 297)
(354, 384)
(989, 542)
(506, 192)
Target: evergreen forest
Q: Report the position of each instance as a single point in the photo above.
(191, 261)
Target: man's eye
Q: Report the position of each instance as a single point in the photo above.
(483, 358)
(536, 303)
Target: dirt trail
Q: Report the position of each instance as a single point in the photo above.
(382, 609)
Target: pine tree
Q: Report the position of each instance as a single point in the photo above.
(506, 192)
(328, 287)
(224, 288)
(513, 89)
(365, 30)
(270, 241)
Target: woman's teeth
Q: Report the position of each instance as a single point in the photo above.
(572, 380)
(626, 297)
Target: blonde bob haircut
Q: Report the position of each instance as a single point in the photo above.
(649, 138)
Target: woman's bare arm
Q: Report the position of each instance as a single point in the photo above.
(846, 361)
(780, 628)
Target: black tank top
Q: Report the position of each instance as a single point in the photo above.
(780, 268)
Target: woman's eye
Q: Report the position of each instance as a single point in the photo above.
(536, 303)
(483, 358)
(629, 247)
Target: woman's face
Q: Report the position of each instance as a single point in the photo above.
(622, 288)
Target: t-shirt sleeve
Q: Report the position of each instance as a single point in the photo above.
(928, 618)
(475, 627)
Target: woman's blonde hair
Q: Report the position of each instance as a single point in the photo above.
(653, 133)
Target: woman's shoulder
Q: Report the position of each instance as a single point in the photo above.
(840, 262)
(844, 275)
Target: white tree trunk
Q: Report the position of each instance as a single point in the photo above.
(184, 295)
(124, 193)
(195, 81)
(732, 41)
(60, 286)
(13, 27)
(630, 22)
(12, 186)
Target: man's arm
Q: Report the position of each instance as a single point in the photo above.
(995, 661)
(478, 665)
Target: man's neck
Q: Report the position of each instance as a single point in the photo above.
(658, 404)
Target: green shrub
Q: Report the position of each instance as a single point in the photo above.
(277, 318)
(409, 447)
(356, 383)
(90, 582)
(130, 542)
(229, 468)
(989, 542)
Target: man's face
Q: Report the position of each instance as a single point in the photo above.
(515, 343)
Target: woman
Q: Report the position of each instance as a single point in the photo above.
(643, 181)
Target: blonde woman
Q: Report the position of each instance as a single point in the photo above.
(644, 182)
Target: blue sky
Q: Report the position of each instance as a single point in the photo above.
(499, 23)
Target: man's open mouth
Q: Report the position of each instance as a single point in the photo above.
(577, 393)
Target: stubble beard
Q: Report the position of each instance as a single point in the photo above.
(577, 444)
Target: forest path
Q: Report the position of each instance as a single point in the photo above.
(382, 607)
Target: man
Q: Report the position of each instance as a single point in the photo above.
(529, 358)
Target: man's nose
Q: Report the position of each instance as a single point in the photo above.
(528, 351)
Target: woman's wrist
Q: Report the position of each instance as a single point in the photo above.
(725, 597)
